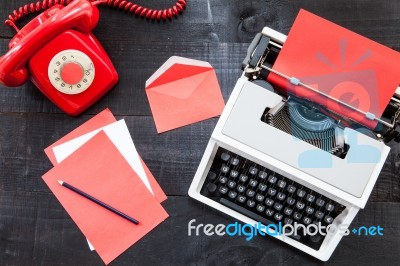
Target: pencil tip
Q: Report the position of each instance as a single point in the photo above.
(61, 182)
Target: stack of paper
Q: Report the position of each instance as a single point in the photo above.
(100, 158)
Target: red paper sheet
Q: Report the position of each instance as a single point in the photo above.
(340, 63)
(99, 169)
(102, 119)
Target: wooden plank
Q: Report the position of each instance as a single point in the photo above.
(238, 21)
(135, 64)
(173, 157)
(208, 37)
(195, 16)
(35, 230)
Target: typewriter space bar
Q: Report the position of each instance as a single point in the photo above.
(245, 212)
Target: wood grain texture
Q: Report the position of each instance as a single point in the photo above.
(208, 30)
(135, 63)
(238, 21)
(172, 157)
(34, 228)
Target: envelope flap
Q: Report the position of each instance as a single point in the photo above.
(183, 88)
(176, 72)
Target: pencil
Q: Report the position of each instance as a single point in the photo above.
(104, 205)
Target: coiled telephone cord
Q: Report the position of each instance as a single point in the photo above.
(149, 13)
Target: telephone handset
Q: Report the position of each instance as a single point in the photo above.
(60, 54)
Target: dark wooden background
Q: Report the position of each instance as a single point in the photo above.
(35, 229)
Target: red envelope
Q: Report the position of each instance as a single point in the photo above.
(99, 169)
(183, 91)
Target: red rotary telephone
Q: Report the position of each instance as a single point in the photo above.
(60, 54)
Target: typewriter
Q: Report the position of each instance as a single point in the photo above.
(258, 165)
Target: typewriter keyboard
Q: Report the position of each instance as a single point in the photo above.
(267, 197)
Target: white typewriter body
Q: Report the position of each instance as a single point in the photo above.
(241, 131)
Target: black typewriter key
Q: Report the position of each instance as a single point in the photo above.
(241, 199)
(288, 211)
(328, 219)
(319, 214)
(291, 189)
(262, 187)
(278, 206)
(225, 157)
(263, 195)
(224, 169)
(253, 182)
(271, 192)
(260, 208)
(288, 221)
(223, 179)
(272, 179)
(310, 198)
(306, 220)
(250, 193)
(253, 170)
(235, 161)
(320, 202)
(251, 203)
(211, 176)
(301, 193)
(262, 175)
(290, 201)
(211, 187)
(241, 188)
(297, 216)
(231, 184)
(259, 197)
(281, 184)
(329, 207)
(309, 210)
(269, 212)
(278, 217)
(245, 211)
(232, 194)
(234, 173)
(300, 205)
(281, 196)
(269, 202)
(223, 190)
(243, 178)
